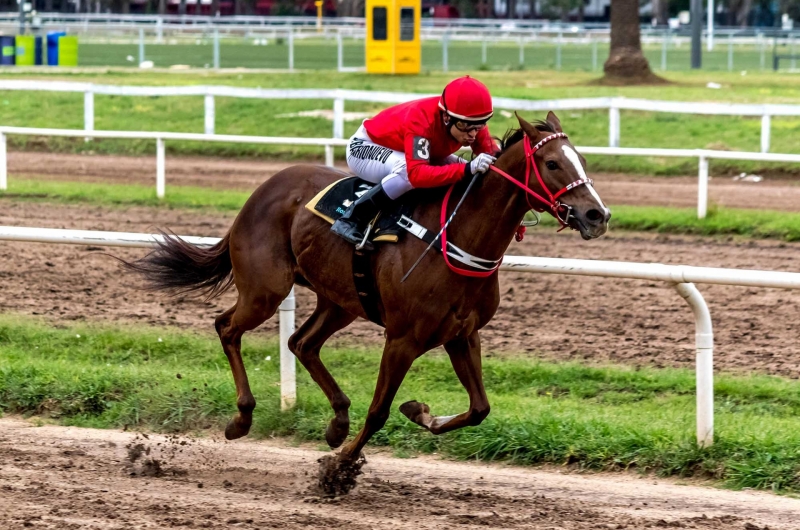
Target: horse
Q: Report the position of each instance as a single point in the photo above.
(276, 243)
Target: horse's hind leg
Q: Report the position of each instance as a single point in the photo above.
(465, 355)
(306, 343)
(249, 312)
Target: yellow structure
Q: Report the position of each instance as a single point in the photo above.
(393, 45)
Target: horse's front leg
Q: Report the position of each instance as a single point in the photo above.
(338, 473)
(465, 355)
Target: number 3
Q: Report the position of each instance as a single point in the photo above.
(422, 148)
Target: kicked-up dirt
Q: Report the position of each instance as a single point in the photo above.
(66, 478)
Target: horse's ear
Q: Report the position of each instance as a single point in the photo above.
(553, 120)
(532, 132)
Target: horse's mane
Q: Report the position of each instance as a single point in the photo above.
(512, 136)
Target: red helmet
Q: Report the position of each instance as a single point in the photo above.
(467, 99)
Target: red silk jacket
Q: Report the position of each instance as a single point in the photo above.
(416, 128)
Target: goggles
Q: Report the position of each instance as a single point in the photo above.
(469, 127)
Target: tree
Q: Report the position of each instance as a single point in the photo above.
(350, 8)
(626, 63)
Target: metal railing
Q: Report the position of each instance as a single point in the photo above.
(681, 277)
(340, 97)
(702, 155)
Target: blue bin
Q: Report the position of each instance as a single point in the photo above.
(52, 47)
(8, 50)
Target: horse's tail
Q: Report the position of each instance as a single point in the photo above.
(181, 267)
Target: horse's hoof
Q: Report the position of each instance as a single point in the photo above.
(337, 476)
(415, 411)
(337, 432)
(233, 430)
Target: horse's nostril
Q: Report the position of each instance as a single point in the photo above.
(594, 216)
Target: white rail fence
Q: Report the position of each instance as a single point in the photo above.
(339, 97)
(702, 155)
(681, 277)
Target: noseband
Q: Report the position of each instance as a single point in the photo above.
(562, 212)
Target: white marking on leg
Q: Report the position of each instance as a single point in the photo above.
(576, 161)
(440, 421)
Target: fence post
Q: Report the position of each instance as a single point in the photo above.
(702, 188)
(291, 49)
(288, 366)
(664, 39)
(160, 169)
(594, 55)
(558, 52)
(445, 45)
(159, 30)
(329, 155)
(338, 118)
(141, 45)
(216, 49)
(88, 112)
(210, 114)
(339, 52)
(730, 52)
(483, 51)
(766, 125)
(704, 363)
(521, 52)
(613, 126)
(762, 58)
(3, 163)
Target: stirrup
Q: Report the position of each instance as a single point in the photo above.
(367, 232)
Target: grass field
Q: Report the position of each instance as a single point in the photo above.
(720, 221)
(590, 417)
(274, 118)
(321, 54)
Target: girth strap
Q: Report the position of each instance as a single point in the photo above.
(365, 285)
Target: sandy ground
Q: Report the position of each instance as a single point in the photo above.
(224, 173)
(69, 478)
(587, 319)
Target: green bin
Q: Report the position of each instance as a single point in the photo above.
(26, 50)
(68, 50)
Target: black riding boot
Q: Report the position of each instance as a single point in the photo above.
(351, 225)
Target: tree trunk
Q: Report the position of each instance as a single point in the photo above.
(350, 8)
(660, 12)
(626, 64)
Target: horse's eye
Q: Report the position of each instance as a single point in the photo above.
(551, 165)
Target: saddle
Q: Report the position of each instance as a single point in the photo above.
(332, 202)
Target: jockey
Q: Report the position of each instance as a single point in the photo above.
(411, 145)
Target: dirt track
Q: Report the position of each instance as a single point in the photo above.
(69, 479)
(621, 321)
(588, 319)
(223, 173)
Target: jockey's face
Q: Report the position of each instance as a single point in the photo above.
(465, 134)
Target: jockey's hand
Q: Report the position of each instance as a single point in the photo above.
(481, 163)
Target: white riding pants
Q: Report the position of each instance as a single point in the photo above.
(375, 163)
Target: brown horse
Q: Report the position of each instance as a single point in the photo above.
(276, 243)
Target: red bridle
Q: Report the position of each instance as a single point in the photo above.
(550, 203)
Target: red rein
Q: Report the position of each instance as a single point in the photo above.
(550, 203)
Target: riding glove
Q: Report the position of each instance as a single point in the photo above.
(481, 163)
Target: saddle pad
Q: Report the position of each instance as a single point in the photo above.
(332, 202)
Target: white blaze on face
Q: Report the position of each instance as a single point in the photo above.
(572, 156)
